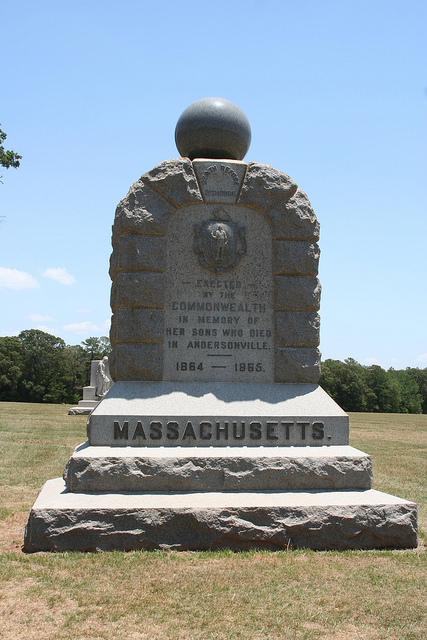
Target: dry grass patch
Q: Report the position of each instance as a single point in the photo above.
(398, 446)
(219, 595)
(298, 595)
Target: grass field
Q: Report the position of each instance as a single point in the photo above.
(220, 595)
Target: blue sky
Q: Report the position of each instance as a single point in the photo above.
(336, 94)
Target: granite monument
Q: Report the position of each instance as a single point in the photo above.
(216, 432)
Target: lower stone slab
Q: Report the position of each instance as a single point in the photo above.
(61, 520)
(217, 469)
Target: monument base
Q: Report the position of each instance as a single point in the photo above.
(61, 520)
(191, 466)
(117, 469)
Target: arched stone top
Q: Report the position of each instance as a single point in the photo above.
(172, 184)
(139, 260)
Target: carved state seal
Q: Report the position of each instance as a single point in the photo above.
(220, 243)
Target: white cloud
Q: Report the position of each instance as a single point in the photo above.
(14, 279)
(59, 274)
(42, 327)
(371, 360)
(35, 317)
(422, 358)
(83, 327)
(82, 310)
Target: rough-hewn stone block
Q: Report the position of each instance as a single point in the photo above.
(137, 253)
(299, 364)
(92, 469)
(295, 257)
(142, 211)
(137, 289)
(136, 325)
(264, 186)
(176, 181)
(297, 329)
(136, 362)
(296, 293)
(294, 219)
(61, 520)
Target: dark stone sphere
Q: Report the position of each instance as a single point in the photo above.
(213, 128)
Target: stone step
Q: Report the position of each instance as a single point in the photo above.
(61, 520)
(217, 469)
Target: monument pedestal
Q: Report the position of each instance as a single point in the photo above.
(145, 491)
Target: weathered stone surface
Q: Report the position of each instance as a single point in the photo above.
(143, 210)
(60, 520)
(175, 181)
(136, 325)
(265, 186)
(300, 364)
(137, 289)
(137, 253)
(296, 293)
(295, 257)
(136, 362)
(92, 469)
(294, 219)
(220, 180)
(210, 316)
(297, 329)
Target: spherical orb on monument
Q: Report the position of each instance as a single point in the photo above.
(213, 128)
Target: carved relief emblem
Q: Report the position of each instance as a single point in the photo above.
(219, 243)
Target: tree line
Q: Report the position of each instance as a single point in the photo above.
(356, 387)
(38, 367)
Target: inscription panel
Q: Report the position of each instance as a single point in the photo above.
(220, 181)
(149, 431)
(218, 302)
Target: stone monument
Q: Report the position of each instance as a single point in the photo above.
(99, 376)
(216, 432)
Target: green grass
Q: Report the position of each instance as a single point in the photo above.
(208, 595)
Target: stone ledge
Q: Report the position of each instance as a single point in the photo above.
(60, 520)
(217, 469)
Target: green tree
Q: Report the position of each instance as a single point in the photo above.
(97, 348)
(11, 365)
(7, 158)
(386, 392)
(420, 377)
(38, 367)
(345, 383)
(42, 367)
